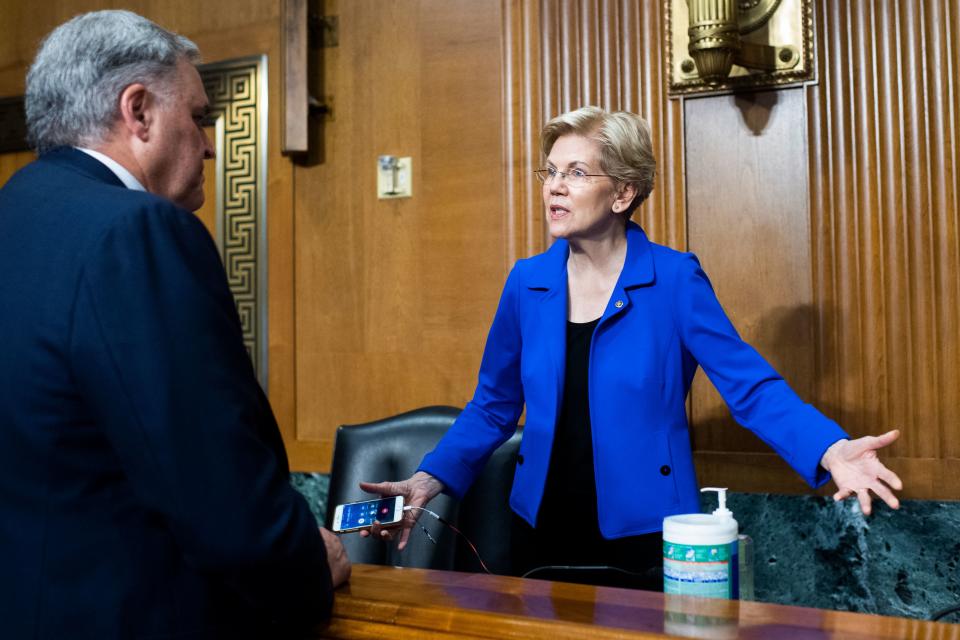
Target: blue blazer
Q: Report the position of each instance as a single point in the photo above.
(662, 321)
(143, 482)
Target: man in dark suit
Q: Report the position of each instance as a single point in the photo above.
(144, 486)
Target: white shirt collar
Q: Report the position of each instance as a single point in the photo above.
(118, 169)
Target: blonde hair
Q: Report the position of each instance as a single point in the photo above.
(626, 148)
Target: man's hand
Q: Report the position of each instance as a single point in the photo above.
(417, 491)
(336, 558)
(857, 470)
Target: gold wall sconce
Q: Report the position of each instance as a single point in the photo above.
(722, 45)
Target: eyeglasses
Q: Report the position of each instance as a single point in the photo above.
(574, 177)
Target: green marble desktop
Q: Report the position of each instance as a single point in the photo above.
(812, 552)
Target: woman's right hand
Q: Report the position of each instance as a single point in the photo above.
(417, 491)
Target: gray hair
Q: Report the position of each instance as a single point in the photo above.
(626, 146)
(74, 84)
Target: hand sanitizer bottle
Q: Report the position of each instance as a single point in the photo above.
(701, 552)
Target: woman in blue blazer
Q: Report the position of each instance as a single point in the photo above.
(600, 337)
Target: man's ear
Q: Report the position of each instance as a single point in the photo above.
(136, 110)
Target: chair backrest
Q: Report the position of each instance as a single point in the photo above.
(485, 516)
(391, 449)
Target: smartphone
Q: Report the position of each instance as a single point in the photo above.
(355, 516)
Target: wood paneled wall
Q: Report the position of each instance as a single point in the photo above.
(394, 297)
(749, 223)
(884, 162)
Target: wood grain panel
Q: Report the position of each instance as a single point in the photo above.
(560, 56)
(748, 220)
(884, 179)
(295, 106)
(24, 27)
(394, 297)
(523, 86)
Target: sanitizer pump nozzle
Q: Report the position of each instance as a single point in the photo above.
(721, 511)
(701, 552)
(744, 544)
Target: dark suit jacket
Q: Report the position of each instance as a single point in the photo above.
(144, 487)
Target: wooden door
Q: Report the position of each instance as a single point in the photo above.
(394, 297)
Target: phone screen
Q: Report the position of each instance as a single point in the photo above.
(362, 514)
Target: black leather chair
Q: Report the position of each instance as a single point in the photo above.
(391, 449)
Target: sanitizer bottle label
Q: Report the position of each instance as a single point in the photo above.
(709, 571)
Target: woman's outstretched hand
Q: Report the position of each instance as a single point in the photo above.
(417, 491)
(857, 470)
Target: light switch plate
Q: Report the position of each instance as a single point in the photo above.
(394, 177)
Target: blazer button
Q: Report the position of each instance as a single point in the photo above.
(665, 470)
(520, 458)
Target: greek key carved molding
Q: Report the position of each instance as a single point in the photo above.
(237, 90)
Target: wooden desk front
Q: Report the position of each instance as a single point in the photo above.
(387, 603)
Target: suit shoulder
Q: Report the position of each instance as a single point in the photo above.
(524, 272)
(668, 254)
(151, 217)
(671, 262)
(78, 198)
(128, 203)
(535, 267)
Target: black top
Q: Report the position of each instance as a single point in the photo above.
(570, 479)
(568, 529)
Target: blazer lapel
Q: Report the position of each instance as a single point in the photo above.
(549, 284)
(637, 271)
